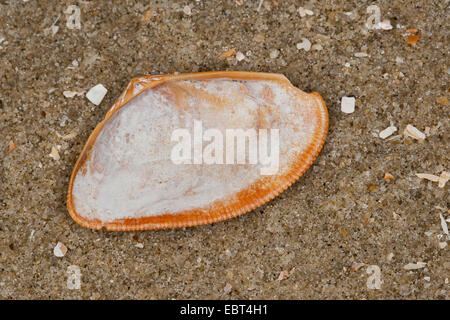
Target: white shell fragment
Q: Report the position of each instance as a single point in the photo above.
(387, 132)
(187, 10)
(415, 266)
(443, 224)
(428, 176)
(348, 104)
(71, 94)
(96, 94)
(305, 45)
(274, 53)
(60, 250)
(441, 180)
(54, 154)
(413, 132)
(361, 55)
(304, 12)
(240, 56)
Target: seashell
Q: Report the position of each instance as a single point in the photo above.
(126, 177)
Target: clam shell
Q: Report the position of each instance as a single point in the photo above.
(125, 178)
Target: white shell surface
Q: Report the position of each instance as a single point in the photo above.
(130, 174)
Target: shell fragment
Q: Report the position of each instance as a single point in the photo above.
(348, 104)
(96, 94)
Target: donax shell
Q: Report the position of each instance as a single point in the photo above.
(125, 178)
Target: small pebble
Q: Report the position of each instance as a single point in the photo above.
(361, 54)
(348, 104)
(96, 94)
(139, 245)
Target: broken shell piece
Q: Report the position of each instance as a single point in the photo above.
(443, 224)
(274, 53)
(60, 250)
(387, 132)
(240, 56)
(304, 12)
(283, 275)
(12, 146)
(428, 176)
(348, 104)
(357, 265)
(317, 47)
(361, 54)
(415, 266)
(227, 54)
(412, 30)
(413, 132)
(187, 10)
(305, 45)
(71, 94)
(69, 136)
(413, 39)
(442, 179)
(54, 154)
(96, 94)
(128, 176)
(388, 176)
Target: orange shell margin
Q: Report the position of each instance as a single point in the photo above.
(260, 192)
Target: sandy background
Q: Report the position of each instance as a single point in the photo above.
(321, 235)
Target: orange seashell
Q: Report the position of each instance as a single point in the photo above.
(413, 39)
(126, 177)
